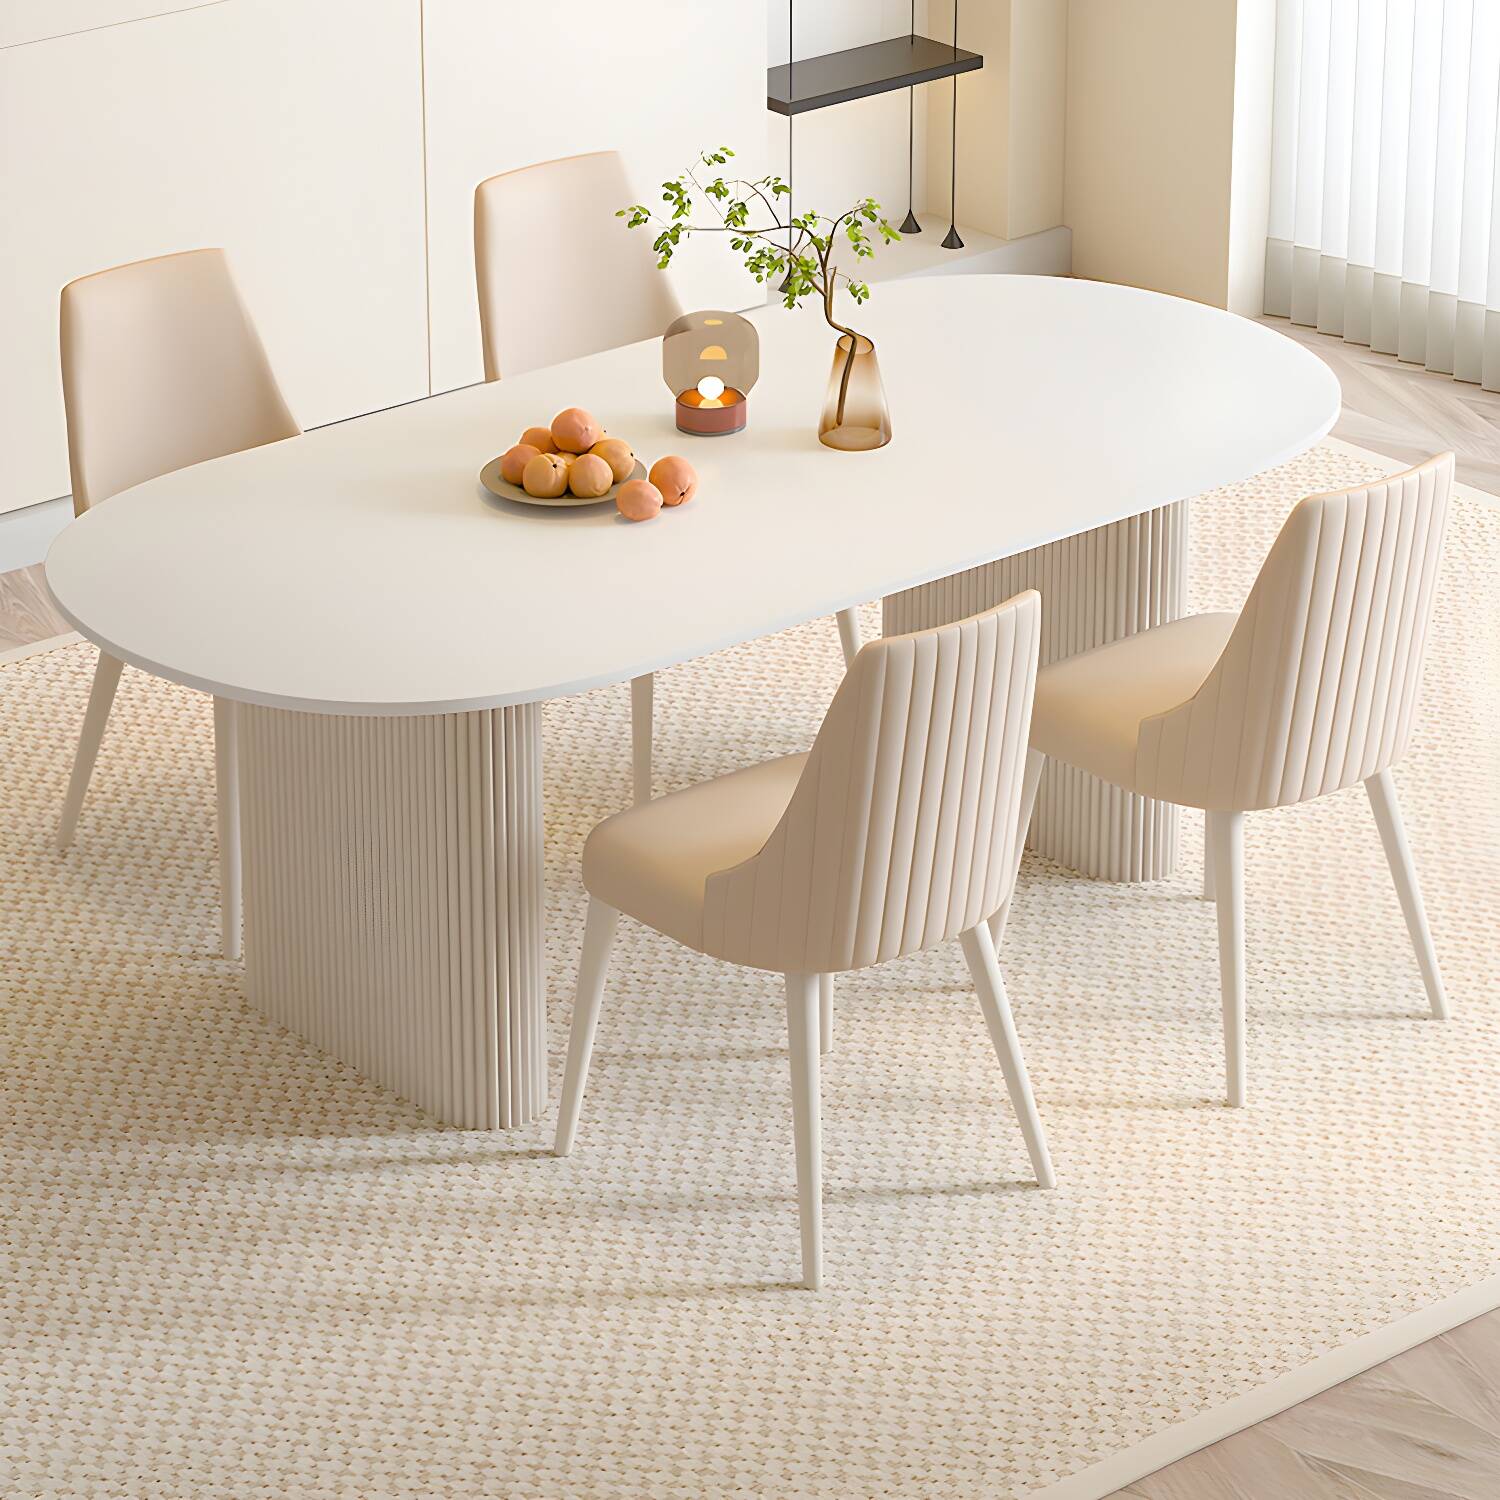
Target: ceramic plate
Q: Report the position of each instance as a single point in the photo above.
(489, 477)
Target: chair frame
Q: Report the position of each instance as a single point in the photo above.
(860, 761)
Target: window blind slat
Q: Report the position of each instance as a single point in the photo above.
(1385, 177)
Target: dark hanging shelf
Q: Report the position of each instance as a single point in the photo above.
(837, 77)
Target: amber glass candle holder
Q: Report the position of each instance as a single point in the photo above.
(855, 414)
(710, 360)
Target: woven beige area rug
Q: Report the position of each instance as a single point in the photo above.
(230, 1267)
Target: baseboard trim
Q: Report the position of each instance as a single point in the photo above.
(27, 531)
(1348, 1360)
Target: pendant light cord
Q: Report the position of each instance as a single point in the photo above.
(911, 125)
(910, 224)
(953, 163)
(791, 121)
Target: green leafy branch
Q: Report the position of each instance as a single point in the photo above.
(797, 251)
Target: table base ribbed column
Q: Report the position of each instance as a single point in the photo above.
(393, 889)
(1095, 587)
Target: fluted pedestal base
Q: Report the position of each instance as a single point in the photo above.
(1095, 588)
(394, 900)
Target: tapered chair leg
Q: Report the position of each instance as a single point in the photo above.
(979, 950)
(641, 694)
(849, 637)
(598, 939)
(96, 716)
(1208, 858)
(825, 1013)
(1227, 840)
(1387, 810)
(1031, 781)
(227, 783)
(802, 1008)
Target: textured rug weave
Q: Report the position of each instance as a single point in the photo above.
(230, 1267)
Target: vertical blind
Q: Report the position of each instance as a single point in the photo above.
(1385, 205)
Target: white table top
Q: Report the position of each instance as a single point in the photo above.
(362, 569)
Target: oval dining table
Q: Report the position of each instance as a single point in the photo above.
(378, 632)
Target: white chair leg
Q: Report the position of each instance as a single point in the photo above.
(96, 716)
(802, 1009)
(227, 783)
(825, 1013)
(849, 635)
(598, 939)
(1208, 858)
(1227, 840)
(1388, 820)
(979, 950)
(641, 693)
(1031, 780)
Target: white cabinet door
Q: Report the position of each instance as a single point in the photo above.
(287, 131)
(511, 84)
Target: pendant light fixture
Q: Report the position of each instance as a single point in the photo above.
(953, 240)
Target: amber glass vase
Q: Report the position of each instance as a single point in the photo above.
(855, 416)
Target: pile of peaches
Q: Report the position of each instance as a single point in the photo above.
(575, 456)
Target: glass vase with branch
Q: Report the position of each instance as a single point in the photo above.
(797, 253)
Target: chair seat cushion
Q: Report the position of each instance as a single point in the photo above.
(1089, 707)
(652, 861)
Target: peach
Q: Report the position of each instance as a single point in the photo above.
(616, 453)
(590, 477)
(545, 476)
(514, 460)
(575, 430)
(639, 500)
(676, 479)
(539, 438)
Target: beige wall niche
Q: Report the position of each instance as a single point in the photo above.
(1011, 116)
(1166, 175)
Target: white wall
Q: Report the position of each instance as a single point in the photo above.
(288, 131)
(658, 82)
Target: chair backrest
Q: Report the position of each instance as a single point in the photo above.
(161, 368)
(1317, 686)
(902, 831)
(559, 276)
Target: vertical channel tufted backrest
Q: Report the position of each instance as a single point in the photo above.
(902, 830)
(1317, 687)
(162, 368)
(559, 275)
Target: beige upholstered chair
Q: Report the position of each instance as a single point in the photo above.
(162, 368)
(554, 287)
(1311, 687)
(898, 831)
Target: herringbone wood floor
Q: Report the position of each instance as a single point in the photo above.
(27, 612)
(1422, 1426)
(1408, 412)
(1425, 1425)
